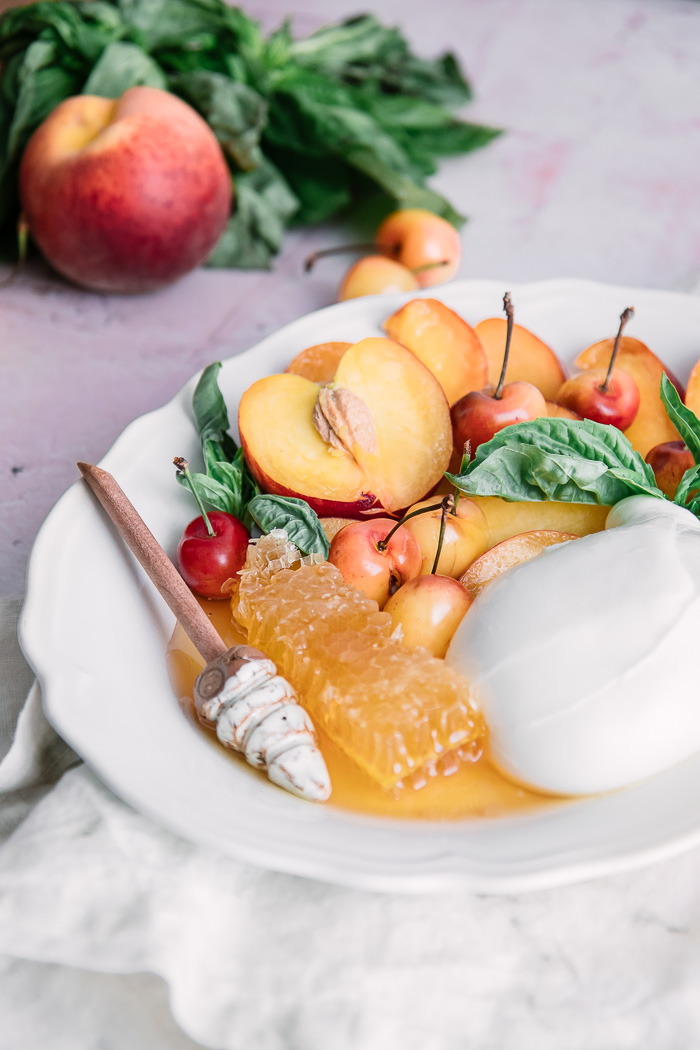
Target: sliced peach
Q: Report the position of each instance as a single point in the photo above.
(444, 342)
(651, 426)
(553, 409)
(386, 441)
(692, 394)
(506, 519)
(331, 526)
(318, 363)
(530, 359)
(507, 554)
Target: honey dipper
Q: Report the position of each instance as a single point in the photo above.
(239, 693)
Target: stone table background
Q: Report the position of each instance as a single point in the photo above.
(598, 176)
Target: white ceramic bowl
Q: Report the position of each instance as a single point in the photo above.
(95, 631)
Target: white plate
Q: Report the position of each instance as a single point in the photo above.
(95, 632)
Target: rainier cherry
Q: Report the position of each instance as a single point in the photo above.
(375, 274)
(424, 244)
(212, 548)
(480, 414)
(430, 608)
(604, 395)
(375, 557)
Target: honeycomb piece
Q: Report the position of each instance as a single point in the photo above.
(392, 709)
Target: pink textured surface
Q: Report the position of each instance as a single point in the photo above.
(597, 177)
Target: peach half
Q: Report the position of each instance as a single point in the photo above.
(378, 438)
(508, 518)
(444, 342)
(692, 394)
(530, 359)
(651, 425)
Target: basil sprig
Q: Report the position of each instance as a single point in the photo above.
(565, 460)
(228, 484)
(688, 426)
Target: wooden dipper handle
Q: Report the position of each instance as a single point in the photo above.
(163, 574)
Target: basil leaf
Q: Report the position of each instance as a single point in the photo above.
(295, 516)
(122, 66)
(688, 490)
(568, 461)
(216, 494)
(684, 419)
(211, 418)
(235, 112)
(264, 205)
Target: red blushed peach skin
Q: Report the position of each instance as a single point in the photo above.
(318, 363)
(125, 195)
(506, 555)
(396, 433)
(530, 359)
(444, 342)
(651, 425)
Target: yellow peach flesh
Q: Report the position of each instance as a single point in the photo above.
(506, 519)
(318, 363)
(444, 342)
(530, 359)
(412, 419)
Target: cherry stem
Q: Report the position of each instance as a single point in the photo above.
(383, 544)
(508, 310)
(342, 249)
(447, 504)
(430, 266)
(626, 315)
(22, 248)
(183, 471)
(466, 457)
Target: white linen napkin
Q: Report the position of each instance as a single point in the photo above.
(255, 960)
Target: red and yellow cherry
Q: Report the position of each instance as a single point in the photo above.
(480, 414)
(604, 395)
(429, 609)
(465, 537)
(213, 547)
(416, 238)
(208, 560)
(375, 275)
(669, 461)
(376, 557)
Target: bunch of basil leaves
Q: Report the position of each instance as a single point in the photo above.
(577, 461)
(306, 125)
(228, 484)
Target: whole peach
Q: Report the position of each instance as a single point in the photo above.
(128, 194)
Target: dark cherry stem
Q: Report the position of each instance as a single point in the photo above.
(625, 316)
(183, 470)
(443, 522)
(383, 544)
(508, 310)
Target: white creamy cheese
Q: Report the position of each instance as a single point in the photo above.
(585, 659)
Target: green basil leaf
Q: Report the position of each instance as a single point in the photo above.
(688, 490)
(264, 206)
(684, 419)
(295, 516)
(211, 418)
(213, 492)
(570, 461)
(235, 112)
(120, 67)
